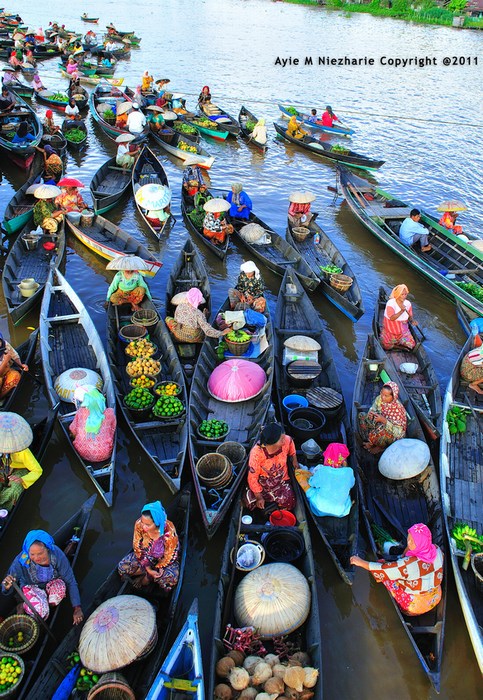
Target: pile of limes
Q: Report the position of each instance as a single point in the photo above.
(16, 640)
(139, 399)
(143, 365)
(10, 672)
(213, 428)
(168, 407)
(168, 389)
(87, 679)
(143, 381)
(140, 348)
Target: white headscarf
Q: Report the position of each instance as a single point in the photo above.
(249, 266)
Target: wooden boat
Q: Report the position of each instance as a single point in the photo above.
(68, 339)
(21, 154)
(108, 185)
(213, 130)
(465, 317)
(22, 263)
(57, 141)
(26, 352)
(337, 129)
(276, 253)
(141, 674)
(397, 505)
(94, 79)
(325, 150)
(163, 441)
(75, 526)
(170, 140)
(217, 115)
(19, 210)
(68, 125)
(120, 51)
(244, 119)
(192, 134)
(111, 96)
(383, 215)
(109, 241)
(182, 669)
(244, 419)
(423, 386)
(307, 637)
(148, 170)
(319, 255)
(46, 97)
(188, 271)
(46, 50)
(99, 69)
(92, 20)
(460, 478)
(21, 89)
(187, 207)
(295, 315)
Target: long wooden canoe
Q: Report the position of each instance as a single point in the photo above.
(109, 241)
(187, 207)
(296, 315)
(148, 170)
(170, 140)
(465, 317)
(213, 130)
(20, 208)
(68, 339)
(111, 96)
(397, 505)
(423, 386)
(164, 442)
(108, 185)
(382, 215)
(140, 674)
(221, 118)
(26, 351)
(244, 119)
(46, 97)
(76, 525)
(94, 79)
(21, 154)
(337, 129)
(325, 253)
(21, 89)
(67, 126)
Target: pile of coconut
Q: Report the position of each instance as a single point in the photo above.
(257, 678)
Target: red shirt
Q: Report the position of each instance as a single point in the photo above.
(329, 119)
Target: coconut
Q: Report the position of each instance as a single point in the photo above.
(279, 670)
(271, 659)
(237, 656)
(274, 685)
(294, 678)
(223, 692)
(250, 663)
(301, 656)
(311, 675)
(261, 673)
(224, 666)
(239, 678)
(248, 694)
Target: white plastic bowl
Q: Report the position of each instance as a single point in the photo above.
(409, 367)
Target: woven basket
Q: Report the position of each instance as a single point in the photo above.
(238, 349)
(145, 317)
(341, 282)
(214, 470)
(132, 332)
(300, 233)
(235, 452)
(14, 688)
(18, 623)
(111, 686)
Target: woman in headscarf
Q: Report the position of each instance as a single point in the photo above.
(241, 204)
(471, 369)
(414, 580)
(294, 129)
(147, 82)
(385, 422)
(215, 227)
(204, 96)
(24, 470)
(52, 163)
(94, 426)
(46, 215)
(259, 132)
(299, 214)
(155, 555)
(189, 324)
(70, 200)
(10, 367)
(37, 84)
(448, 220)
(16, 58)
(22, 135)
(44, 574)
(50, 127)
(249, 288)
(128, 287)
(72, 66)
(398, 313)
(192, 178)
(72, 110)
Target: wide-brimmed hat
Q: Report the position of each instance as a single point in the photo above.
(124, 107)
(170, 116)
(125, 138)
(216, 205)
(153, 196)
(153, 108)
(301, 197)
(47, 192)
(127, 262)
(162, 80)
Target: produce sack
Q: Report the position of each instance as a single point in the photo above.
(252, 232)
(329, 492)
(404, 459)
(236, 380)
(67, 382)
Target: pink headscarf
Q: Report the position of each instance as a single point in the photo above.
(424, 548)
(194, 297)
(335, 454)
(398, 290)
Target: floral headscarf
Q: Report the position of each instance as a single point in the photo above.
(394, 410)
(424, 548)
(335, 454)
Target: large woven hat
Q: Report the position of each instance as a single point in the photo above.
(47, 192)
(127, 262)
(67, 382)
(300, 197)
(15, 433)
(153, 196)
(302, 343)
(125, 138)
(274, 599)
(153, 108)
(170, 116)
(216, 205)
(117, 633)
(124, 107)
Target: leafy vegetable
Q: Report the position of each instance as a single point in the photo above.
(75, 135)
(337, 148)
(331, 269)
(184, 128)
(456, 419)
(292, 110)
(59, 97)
(250, 125)
(109, 114)
(238, 336)
(472, 288)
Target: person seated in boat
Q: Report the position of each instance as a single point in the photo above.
(385, 421)
(189, 324)
(299, 214)
(16, 58)
(249, 289)
(90, 38)
(7, 101)
(53, 165)
(72, 66)
(161, 85)
(94, 426)
(155, 118)
(414, 580)
(104, 61)
(192, 178)
(157, 217)
(30, 39)
(162, 101)
(471, 368)
(215, 226)
(155, 556)
(295, 130)
(398, 314)
(50, 127)
(259, 132)
(241, 204)
(128, 287)
(46, 215)
(126, 155)
(448, 220)
(178, 104)
(146, 82)
(70, 199)
(22, 136)
(9, 79)
(24, 470)
(136, 120)
(28, 58)
(328, 486)
(328, 117)
(121, 120)
(268, 470)
(205, 96)
(72, 110)
(75, 87)
(44, 575)
(10, 367)
(313, 119)
(412, 232)
(109, 46)
(37, 84)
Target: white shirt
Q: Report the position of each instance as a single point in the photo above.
(72, 111)
(392, 307)
(136, 122)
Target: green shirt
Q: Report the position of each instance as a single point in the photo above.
(127, 285)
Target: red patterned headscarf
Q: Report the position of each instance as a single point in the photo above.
(394, 411)
(335, 454)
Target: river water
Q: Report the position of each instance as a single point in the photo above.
(424, 121)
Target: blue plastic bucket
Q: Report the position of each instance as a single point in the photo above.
(294, 401)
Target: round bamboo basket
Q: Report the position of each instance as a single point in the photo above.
(111, 686)
(300, 233)
(145, 317)
(214, 470)
(341, 282)
(18, 623)
(238, 349)
(234, 451)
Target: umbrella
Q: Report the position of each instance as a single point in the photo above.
(127, 262)
(70, 182)
(15, 433)
(117, 633)
(47, 191)
(301, 197)
(124, 107)
(216, 205)
(153, 108)
(125, 138)
(452, 205)
(170, 116)
(163, 80)
(236, 380)
(153, 196)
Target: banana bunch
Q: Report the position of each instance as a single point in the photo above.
(462, 533)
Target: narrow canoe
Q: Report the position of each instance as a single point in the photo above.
(296, 315)
(170, 140)
(244, 118)
(214, 131)
(164, 441)
(141, 674)
(19, 210)
(325, 253)
(461, 476)
(108, 185)
(46, 50)
(21, 154)
(92, 20)
(187, 207)
(307, 637)
(182, 669)
(382, 215)
(338, 130)
(75, 526)
(220, 117)
(68, 339)
(423, 386)
(109, 241)
(22, 263)
(110, 96)
(148, 170)
(21, 89)
(243, 418)
(94, 79)
(397, 505)
(67, 126)
(46, 97)
(325, 150)
(26, 352)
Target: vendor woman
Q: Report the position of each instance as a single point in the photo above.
(189, 324)
(10, 367)
(128, 287)
(249, 289)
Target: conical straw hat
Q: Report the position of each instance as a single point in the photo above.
(124, 107)
(125, 138)
(15, 433)
(301, 197)
(47, 191)
(127, 262)
(216, 205)
(153, 196)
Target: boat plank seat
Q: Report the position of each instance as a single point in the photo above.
(65, 317)
(101, 471)
(387, 212)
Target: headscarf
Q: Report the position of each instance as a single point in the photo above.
(335, 454)
(398, 290)
(49, 114)
(92, 399)
(205, 87)
(249, 266)
(424, 548)
(157, 512)
(146, 74)
(271, 434)
(237, 187)
(49, 150)
(194, 297)
(394, 411)
(35, 536)
(293, 124)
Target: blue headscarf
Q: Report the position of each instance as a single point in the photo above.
(95, 403)
(158, 514)
(35, 536)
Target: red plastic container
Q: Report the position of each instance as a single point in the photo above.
(283, 518)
